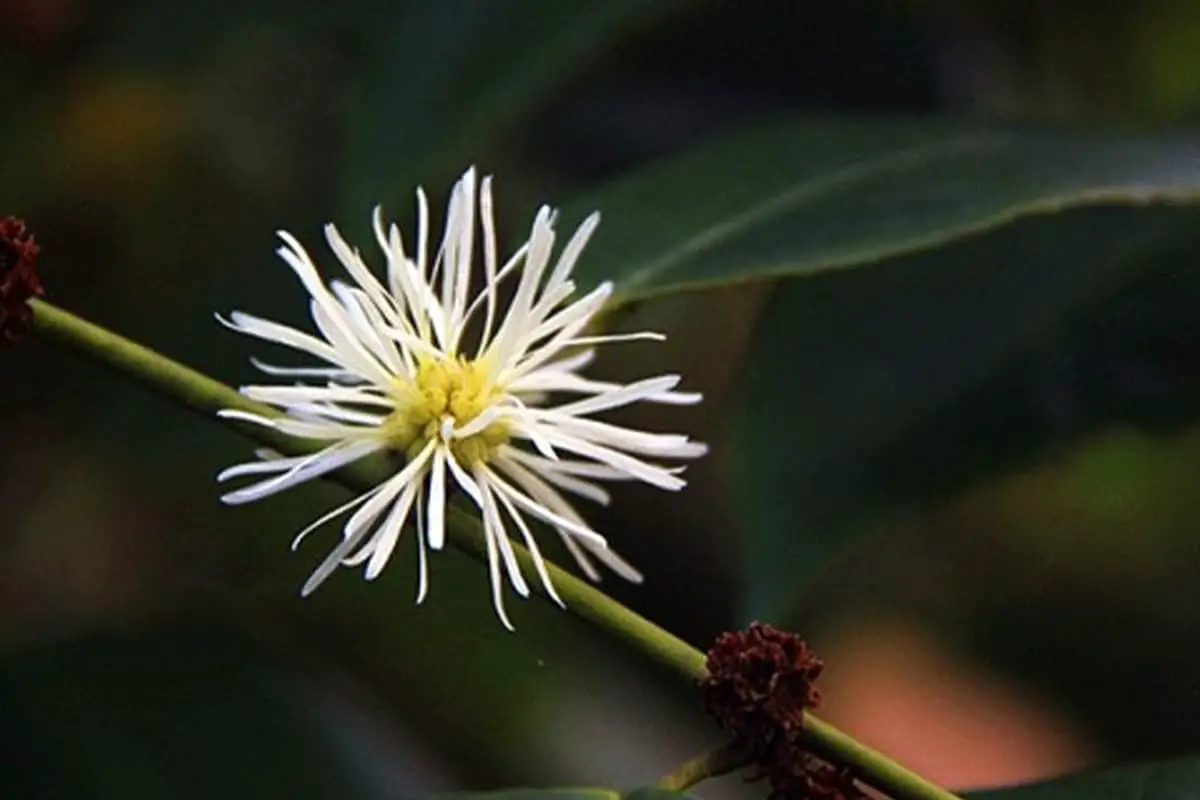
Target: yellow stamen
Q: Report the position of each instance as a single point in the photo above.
(454, 389)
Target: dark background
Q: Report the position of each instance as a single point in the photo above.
(1031, 620)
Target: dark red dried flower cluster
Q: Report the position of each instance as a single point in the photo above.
(760, 682)
(18, 279)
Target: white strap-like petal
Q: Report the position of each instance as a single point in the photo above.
(544, 494)
(566, 466)
(620, 396)
(341, 376)
(541, 512)
(648, 473)
(358, 527)
(494, 579)
(665, 445)
(570, 253)
(389, 534)
(562, 480)
(422, 547)
(303, 429)
(320, 463)
(282, 334)
(287, 395)
(337, 512)
(436, 514)
(535, 553)
(494, 526)
(547, 380)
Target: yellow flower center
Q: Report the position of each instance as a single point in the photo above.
(456, 390)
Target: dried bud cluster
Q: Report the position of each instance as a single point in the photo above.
(761, 681)
(18, 279)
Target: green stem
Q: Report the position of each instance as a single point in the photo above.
(869, 765)
(713, 764)
(200, 393)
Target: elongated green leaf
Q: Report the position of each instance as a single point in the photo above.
(1163, 780)
(936, 253)
(807, 197)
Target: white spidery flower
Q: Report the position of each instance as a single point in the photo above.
(398, 375)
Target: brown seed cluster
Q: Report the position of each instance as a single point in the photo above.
(761, 681)
(18, 279)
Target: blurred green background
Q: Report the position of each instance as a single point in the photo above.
(1003, 576)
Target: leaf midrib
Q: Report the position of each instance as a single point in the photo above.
(863, 171)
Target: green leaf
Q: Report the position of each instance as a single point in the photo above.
(1163, 780)
(807, 197)
(851, 372)
(450, 76)
(936, 254)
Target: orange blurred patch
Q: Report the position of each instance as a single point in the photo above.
(899, 690)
